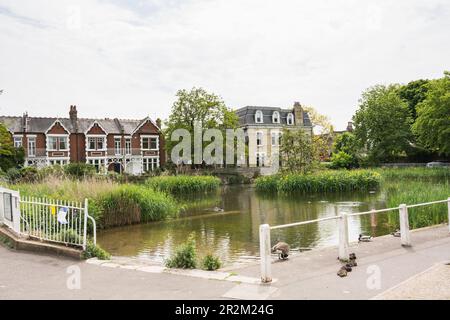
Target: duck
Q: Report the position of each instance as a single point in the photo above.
(363, 238)
(348, 267)
(217, 209)
(282, 248)
(396, 233)
(352, 256)
(342, 272)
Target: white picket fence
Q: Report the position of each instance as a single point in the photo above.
(49, 220)
(342, 218)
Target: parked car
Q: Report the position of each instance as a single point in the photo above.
(435, 164)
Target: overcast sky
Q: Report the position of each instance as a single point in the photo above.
(127, 58)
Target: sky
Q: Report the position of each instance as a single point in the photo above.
(127, 59)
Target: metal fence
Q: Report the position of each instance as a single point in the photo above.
(342, 218)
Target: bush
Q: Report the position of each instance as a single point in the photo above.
(342, 160)
(79, 170)
(29, 174)
(184, 256)
(184, 184)
(95, 251)
(13, 175)
(324, 181)
(211, 262)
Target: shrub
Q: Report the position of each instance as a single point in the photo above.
(342, 160)
(79, 170)
(184, 184)
(29, 174)
(13, 175)
(211, 262)
(184, 256)
(95, 251)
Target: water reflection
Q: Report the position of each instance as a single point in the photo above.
(233, 233)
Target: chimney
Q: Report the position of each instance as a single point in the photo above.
(350, 126)
(74, 117)
(298, 114)
(25, 120)
(158, 123)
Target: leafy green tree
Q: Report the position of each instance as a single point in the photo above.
(432, 126)
(342, 160)
(10, 157)
(383, 124)
(198, 106)
(345, 151)
(297, 151)
(413, 93)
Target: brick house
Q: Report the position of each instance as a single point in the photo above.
(131, 146)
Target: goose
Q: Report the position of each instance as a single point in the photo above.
(363, 238)
(348, 267)
(282, 248)
(396, 233)
(342, 272)
(352, 256)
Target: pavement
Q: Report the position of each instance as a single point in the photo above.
(385, 270)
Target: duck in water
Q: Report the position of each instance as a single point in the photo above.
(282, 248)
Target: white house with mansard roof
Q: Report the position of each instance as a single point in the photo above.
(263, 127)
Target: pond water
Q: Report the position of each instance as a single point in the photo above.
(233, 233)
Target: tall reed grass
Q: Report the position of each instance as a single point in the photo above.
(323, 181)
(418, 173)
(183, 184)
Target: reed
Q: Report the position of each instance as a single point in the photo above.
(417, 173)
(183, 184)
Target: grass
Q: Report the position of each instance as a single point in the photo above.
(183, 184)
(418, 173)
(110, 203)
(322, 181)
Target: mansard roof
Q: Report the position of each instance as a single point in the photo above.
(247, 115)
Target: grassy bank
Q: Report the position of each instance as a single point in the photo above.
(421, 173)
(110, 203)
(184, 184)
(323, 181)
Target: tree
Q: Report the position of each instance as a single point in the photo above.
(345, 151)
(413, 93)
(10, 157)
(432, 126)
(198, 106)
(383, 124)
(297, 151)
(323, 132)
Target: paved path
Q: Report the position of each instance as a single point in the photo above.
(310, 275)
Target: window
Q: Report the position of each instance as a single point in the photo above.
(31, 147)
(290, 119)
(117, 145)
(259, 138)
(260, 159)
(128, 146)
(259, 117)
(96, 143)
(150, 164)
(275, 138)
(276, 117)
(60, 162)
(150, 143)
(57, 143)
(17, 142)
(97, 163)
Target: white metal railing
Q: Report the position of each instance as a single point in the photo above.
(57, 221)
(405, 239)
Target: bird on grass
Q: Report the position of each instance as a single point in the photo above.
(363, 238)
(282, 248)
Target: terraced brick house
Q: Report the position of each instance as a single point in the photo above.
(263, 128)
(131, 146)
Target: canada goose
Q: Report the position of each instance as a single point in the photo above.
(217, 209)
(282, 248)
(396, 233)
(348, 267)
(342, 272)
(363, 238)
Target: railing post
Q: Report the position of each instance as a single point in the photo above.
(264, 251)
(448, 204)
(404, 226)
(343, 237)
(85, 223)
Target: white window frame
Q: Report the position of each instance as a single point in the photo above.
(261, 139)
(275, 117)
(275, 136)
(290, 119)
(18, 141)
(128, 145)
(259, 115)
(262, 156)
(97, 137)
(29, 144)
(62, 161)
(117, 151)
(150, 163)
(149, 144)
(57, 136)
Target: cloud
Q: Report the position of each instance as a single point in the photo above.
(128, 58)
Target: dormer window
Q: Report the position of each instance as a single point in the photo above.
(259, 117)
(290, 119)
(276, 117)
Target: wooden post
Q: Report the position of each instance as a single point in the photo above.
(264, 251)
(404, 226)
(343, 237)
(448, 203)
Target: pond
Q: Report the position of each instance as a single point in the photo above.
(233, 233)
